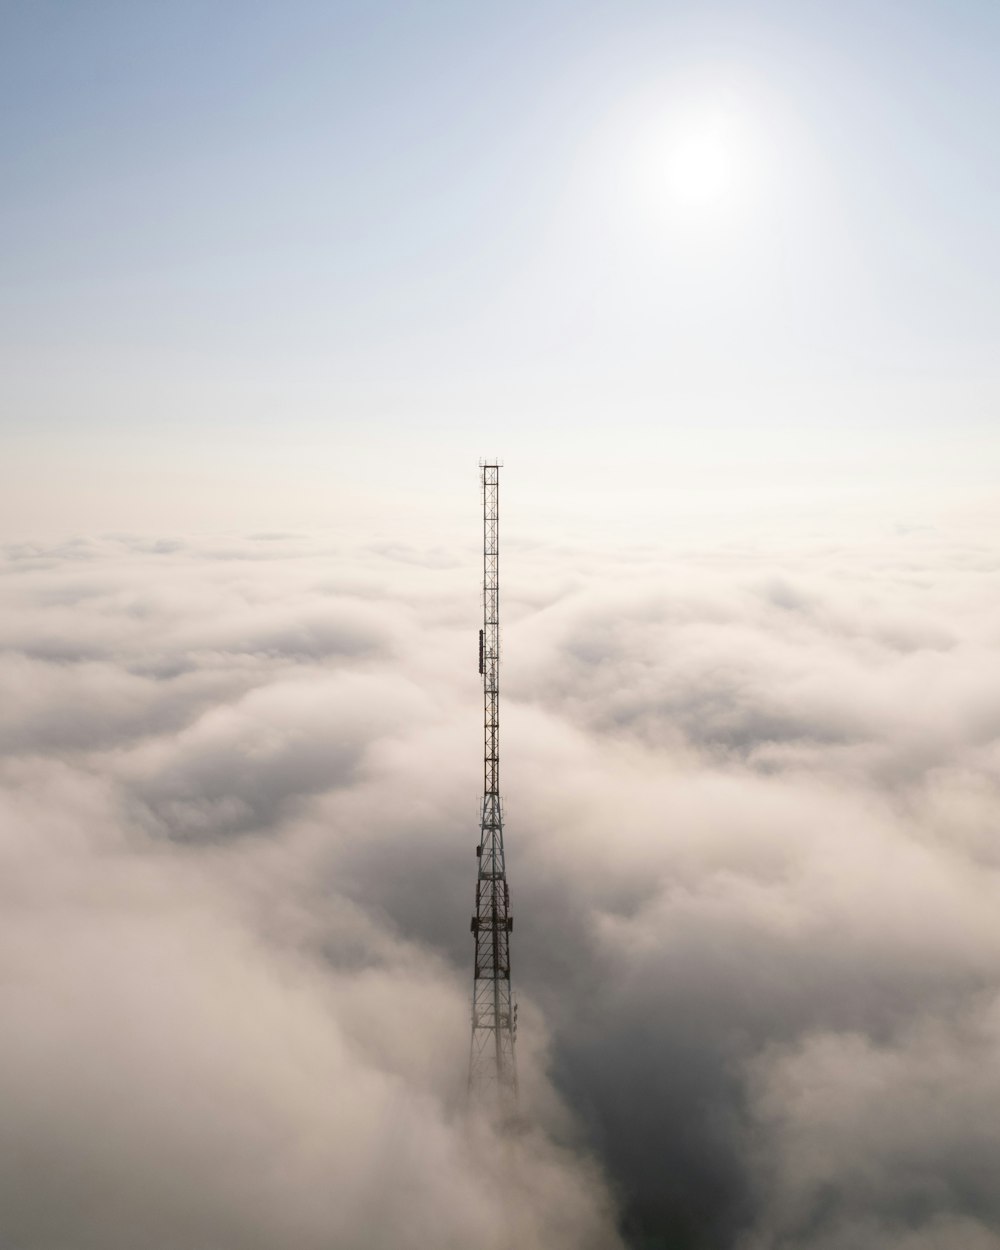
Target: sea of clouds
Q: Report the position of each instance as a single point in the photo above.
(753, 798)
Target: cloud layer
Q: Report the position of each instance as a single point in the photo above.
(752, 797)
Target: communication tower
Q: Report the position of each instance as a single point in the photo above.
(492, 1069)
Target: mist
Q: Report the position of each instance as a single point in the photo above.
(750, 804)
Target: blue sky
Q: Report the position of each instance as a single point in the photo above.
(258, 255)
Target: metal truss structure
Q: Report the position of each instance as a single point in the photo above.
(492, 1067)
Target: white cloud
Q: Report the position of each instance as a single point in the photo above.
(751, 803)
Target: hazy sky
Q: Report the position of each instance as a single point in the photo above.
(269, 257)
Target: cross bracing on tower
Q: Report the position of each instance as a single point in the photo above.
(492, 1067)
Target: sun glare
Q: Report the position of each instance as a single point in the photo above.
(700, 160)
(701, 165)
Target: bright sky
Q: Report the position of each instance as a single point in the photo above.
(261, 262)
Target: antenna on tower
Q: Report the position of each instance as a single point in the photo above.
(492, 1069)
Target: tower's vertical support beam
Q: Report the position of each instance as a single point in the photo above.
(492, 1069)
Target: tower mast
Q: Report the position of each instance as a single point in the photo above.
(492, 1069)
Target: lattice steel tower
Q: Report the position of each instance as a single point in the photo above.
(492, 1070)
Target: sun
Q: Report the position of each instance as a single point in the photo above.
(702, 163)
(699, 165)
